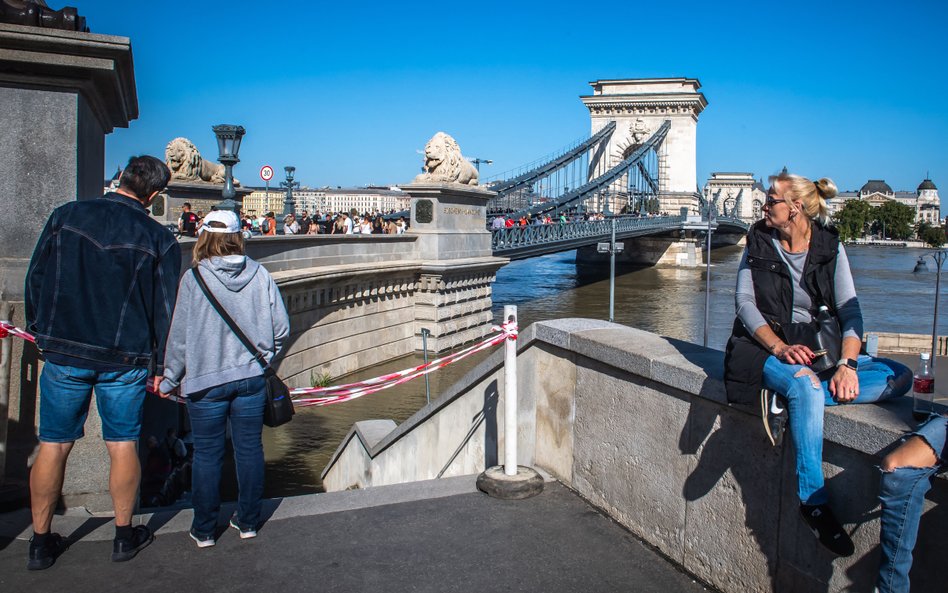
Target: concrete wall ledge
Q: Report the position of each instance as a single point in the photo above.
(699, 371)
(638, 424)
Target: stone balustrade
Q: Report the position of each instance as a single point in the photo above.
(639, 425)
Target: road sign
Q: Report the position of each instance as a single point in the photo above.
(266, 173)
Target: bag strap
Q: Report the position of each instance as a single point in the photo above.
(230, 321)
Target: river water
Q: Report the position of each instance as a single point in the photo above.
(666, 301)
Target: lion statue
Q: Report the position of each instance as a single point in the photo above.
(444, 163)
(186, 163)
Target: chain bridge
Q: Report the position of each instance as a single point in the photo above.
(565, 188)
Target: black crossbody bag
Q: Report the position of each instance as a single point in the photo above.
(279, 407)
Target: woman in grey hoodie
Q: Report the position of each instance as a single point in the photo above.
(207, 364)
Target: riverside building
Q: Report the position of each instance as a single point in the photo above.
(739, 194)
(360, 199)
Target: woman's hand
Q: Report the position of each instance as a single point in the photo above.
(844, 385)
(794, 354)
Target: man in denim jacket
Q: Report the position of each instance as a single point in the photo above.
(100, 291)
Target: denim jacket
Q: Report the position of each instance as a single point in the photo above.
(102, 283)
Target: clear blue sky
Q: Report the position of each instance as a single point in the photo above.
(349, 91)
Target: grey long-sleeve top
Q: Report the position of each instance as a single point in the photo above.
(847, 305)
(202, 351)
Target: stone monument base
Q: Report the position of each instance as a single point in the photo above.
(202, 196)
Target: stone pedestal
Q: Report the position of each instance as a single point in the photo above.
(453, 295)
(60, 92)
(201, 195)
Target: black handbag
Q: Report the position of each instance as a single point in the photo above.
(279, 407)
(821, 335)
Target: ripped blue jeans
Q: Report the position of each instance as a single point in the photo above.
(807, 396)
(902, 495)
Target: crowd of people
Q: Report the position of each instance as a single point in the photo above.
(319, 223)
(506, 220)
(176, 338)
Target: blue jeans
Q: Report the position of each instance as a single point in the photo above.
(66, 393)
(242, 403)
(902, 495)
(806, 400)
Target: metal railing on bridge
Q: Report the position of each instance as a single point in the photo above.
(536, 239)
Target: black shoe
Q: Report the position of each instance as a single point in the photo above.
(831, 534)
(125, 549)
(42, 557)
(774, 416)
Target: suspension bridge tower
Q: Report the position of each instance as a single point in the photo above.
(639, 106)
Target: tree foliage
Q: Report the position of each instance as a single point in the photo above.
(852, 219)
(894, 219)
(934, 236)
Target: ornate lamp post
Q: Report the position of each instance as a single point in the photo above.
(288, 205)
(228, 145)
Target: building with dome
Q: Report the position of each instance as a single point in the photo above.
(924, 200)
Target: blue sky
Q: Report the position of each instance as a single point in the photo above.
(348, 91)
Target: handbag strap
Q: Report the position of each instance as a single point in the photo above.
(230, 321)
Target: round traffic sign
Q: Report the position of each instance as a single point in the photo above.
(266, 173)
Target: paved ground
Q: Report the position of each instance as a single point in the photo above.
(439, 536)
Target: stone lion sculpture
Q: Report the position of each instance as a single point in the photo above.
(444, 163)
(186, 163)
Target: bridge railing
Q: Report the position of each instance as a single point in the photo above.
(537, 234)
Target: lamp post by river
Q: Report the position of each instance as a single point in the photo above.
(707, 286)
(612, 249)
(288, 205)
(939, 257)
(228, 145)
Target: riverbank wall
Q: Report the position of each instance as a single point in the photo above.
(639, 425)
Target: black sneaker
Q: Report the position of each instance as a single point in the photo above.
(125, 549)
(42, 557)
(774, 416)
(831, 534)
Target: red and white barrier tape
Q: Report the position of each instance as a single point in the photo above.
(341, 393)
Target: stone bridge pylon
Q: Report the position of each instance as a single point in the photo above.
(639, 107)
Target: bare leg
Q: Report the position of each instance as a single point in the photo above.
(914, 452)
(124, 478)
(46, 483)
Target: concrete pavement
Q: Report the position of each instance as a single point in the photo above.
(437, 536)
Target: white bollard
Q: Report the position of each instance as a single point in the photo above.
(510, 396)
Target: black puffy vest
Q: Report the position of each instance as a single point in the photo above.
(744, 356)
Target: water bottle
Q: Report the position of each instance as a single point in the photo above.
(923, 390)
(828, 341)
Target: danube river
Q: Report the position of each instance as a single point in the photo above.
(666, 301)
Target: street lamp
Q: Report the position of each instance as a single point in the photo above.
(228, 145)
(707, 287)
(288, 206)
(939, 256)
(612, 248)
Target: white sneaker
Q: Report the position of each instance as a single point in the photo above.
(244, 533)
(202, 541)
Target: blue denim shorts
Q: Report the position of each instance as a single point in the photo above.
(66, 393)
(934, 432)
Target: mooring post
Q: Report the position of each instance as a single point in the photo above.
(510, 395)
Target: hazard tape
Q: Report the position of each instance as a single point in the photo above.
(342, 393)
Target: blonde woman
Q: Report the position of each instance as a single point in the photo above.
(207, 364)
(793, 264)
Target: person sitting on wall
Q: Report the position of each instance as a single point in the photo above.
(793, 263)
(906, 478)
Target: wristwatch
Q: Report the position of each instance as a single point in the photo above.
(848, 362)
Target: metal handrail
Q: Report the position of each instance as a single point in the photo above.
(546, 234)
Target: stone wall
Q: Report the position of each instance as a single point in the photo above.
(638, 425)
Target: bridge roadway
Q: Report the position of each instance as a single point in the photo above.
(542, 239)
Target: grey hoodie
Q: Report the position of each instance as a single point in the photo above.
(202, 351)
